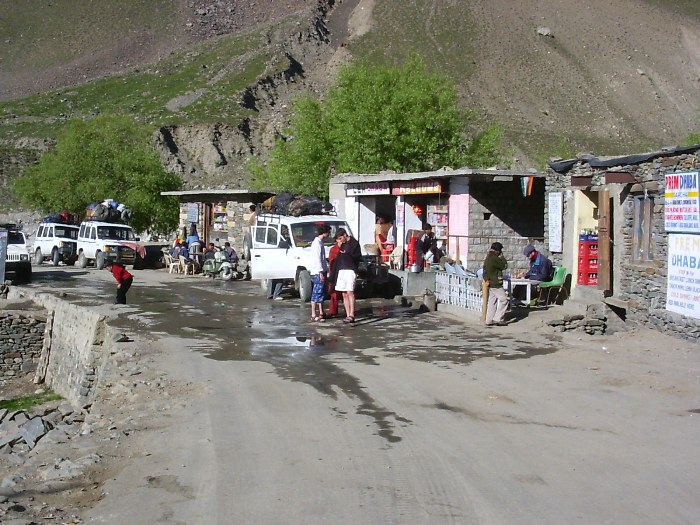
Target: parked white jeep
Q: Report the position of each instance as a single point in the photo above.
(56, 242)
(103, 241)
(281, 248)
(17, 261)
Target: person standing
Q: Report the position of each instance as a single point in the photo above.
(123, 278)
(335, 296)
(494, 264)
(318, 268)
(347, 263)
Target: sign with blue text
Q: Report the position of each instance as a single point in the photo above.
(682, 211)
(683, 282)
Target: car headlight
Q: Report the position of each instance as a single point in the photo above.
(24, 257)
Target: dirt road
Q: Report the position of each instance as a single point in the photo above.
(405, 418)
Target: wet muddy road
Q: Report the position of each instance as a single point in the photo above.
(405, 417)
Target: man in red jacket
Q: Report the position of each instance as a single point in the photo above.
(124, 280)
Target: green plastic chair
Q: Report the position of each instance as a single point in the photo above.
(557, 283)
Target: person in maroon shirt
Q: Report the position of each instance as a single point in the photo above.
(124, 280)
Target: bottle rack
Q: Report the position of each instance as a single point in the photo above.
(588, 259)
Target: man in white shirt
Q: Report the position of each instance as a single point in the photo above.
(318, 268)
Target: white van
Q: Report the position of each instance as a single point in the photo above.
(103, 241)
(17, 258)
(56, 242)
(281, 247)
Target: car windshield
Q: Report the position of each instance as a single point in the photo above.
(115, 232)
(15, 238)
(69, 233)
(305, 232)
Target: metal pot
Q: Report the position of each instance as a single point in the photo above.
(415, 268)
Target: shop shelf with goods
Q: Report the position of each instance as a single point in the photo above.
(220, 217)
(438, 219)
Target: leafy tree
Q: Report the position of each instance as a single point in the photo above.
(691, 139)
(376, 118)
(106, 157)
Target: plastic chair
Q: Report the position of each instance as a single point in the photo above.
(459, 270)
(186, 266)
(396, 258)
(173, 265)
(557, 283)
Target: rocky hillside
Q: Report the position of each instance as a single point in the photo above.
(215, 78)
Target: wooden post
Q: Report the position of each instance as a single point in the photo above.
(604, 241)
(484, 299)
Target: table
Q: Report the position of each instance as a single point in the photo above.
(527, 283)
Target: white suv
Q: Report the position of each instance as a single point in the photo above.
(17, 260)
(281, 247)
(56, 242)
(103, 241)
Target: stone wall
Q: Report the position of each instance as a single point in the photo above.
(642, 285)
(499, 212)
(77, 345)
(21, 341)
(237, 214)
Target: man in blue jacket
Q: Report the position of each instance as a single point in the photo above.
(541, 268)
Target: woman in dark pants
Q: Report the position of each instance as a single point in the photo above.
(124, 280)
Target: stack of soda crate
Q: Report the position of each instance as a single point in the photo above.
(588, 259)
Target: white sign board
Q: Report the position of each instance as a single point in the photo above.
(556, 214)
(682, 207)
(683, 284)
(367, 188)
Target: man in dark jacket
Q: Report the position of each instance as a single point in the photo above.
(541, 268)
(494, 264)
(346, 265)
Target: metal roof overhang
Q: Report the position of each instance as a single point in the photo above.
(496, 175)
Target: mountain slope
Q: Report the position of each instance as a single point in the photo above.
(217, 77)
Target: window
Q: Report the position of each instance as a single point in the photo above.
(40, 233)
(641, 236)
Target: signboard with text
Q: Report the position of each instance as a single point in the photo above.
(416, 187)
(682, 209)
(367, 188)
(683, 282)
(556, 213)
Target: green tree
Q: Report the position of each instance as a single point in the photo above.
(106, 157)
(376, 118)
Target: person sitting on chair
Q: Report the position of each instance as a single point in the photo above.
(541, 268)
(434, 253)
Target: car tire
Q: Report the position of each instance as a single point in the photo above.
(82, 260)
(55, 257)
(304, 285)
(100, 260)
(38, 257)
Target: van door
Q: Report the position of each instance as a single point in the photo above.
(90, 241)
(271, 254)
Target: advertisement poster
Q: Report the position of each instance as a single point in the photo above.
(556, 210)
(682, 210)
(683, 285)
(459, 215)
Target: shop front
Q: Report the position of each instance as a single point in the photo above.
(219, 216)
(466, 209)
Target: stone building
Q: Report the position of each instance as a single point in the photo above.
(628, 230)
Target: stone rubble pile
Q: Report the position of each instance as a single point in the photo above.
(593, 325)
(21, 431)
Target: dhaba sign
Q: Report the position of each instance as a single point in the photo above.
(682, 209)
